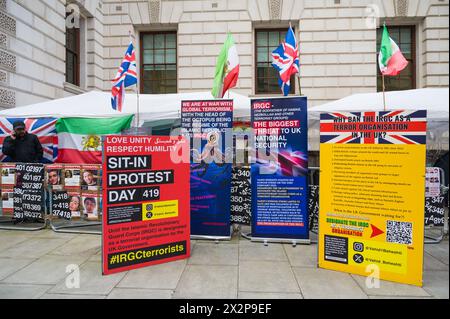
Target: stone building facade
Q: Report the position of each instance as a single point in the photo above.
(338, 44)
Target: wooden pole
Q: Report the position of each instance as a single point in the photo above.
(137, 93)
(384, 93)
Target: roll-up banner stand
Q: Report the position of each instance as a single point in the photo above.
(145, 201)
(279, 174)
(372, 193)
(208, 126)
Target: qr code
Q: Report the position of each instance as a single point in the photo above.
(399, 232)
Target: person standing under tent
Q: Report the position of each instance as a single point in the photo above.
(21, 146)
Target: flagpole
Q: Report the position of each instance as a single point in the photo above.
(299, 87)
(298, 74)
(137, 88)
(384, 87)
(228, 91)
(384, 93)
(137, 94)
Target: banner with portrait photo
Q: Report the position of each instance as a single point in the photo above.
(434, 200)
(75, 206)
(7, 201)
(8, 173)
(72, 177)
(90, 204)
(90, 178)
(54, 176)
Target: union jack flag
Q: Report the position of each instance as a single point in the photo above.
(283, 163)
(293, 163)
(285, 61)
(126, 76)
(387, 127)
(43, 128)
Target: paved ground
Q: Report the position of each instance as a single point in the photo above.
(33, 265)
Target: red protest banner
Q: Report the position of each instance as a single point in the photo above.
(145, 201)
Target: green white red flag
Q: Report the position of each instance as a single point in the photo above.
(227, 68)
(390, 60)
(79, 139)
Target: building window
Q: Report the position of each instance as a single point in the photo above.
(266, 75)
(159, 62)
(405, 37)
(73, 55)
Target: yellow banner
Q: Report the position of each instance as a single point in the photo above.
(372, 209)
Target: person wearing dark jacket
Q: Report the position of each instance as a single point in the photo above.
(21, 146)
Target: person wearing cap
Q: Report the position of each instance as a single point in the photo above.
(21, 146)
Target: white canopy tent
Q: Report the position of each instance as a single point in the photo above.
(166, 107)
(97, 104)
(435, 101)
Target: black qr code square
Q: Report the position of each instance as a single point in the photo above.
(399, 232)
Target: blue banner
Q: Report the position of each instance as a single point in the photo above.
(208, 125)
(279, 175)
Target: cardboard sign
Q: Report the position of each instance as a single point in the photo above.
(60, 205)
(90, 178)
(54, 176)
(72, 177)
(30, 176)
(313, 208)
(432, 182)
(434, 211)
(372, 191)
(33, 204)
(90, 203)
(8, 172)
(279, 176)
(29, 192)
(17, 203)
(146, 201)
(75, 205)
